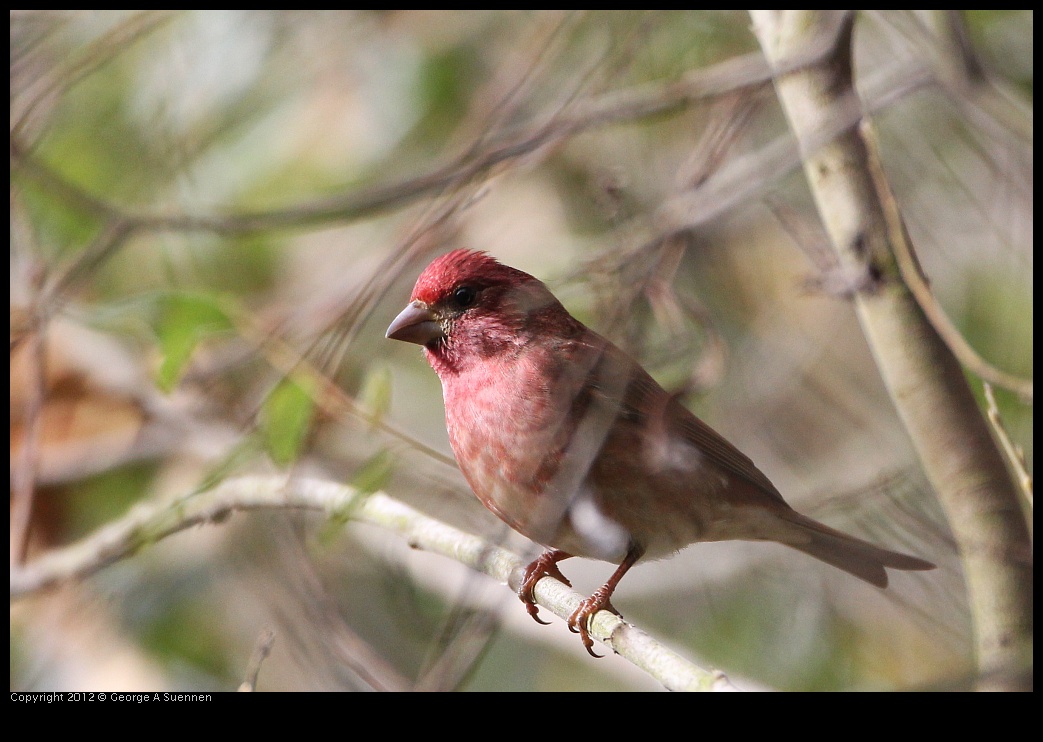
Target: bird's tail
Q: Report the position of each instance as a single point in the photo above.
(853, 555)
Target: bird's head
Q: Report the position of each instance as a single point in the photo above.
(466, 306)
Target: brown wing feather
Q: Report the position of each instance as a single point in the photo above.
(722, 452)
(643, 399)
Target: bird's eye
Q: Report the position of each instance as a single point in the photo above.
(464, 296)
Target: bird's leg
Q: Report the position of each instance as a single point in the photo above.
(579, 621)
(545, 565)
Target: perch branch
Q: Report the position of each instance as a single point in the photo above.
(148, 523)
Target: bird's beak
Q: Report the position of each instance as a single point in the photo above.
(415, 324)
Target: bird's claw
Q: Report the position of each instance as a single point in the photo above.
(534, 611)
(545, 565)
(579, 621)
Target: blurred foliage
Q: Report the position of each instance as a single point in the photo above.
(95, 501)
(181, 125)
(184, 320)
(173, 619)
(1005, 40)
(286, 419)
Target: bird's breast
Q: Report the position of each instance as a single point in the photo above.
(572, 458)
(513, 431)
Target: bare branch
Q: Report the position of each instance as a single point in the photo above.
(86, 61)
(617, 107)
(23, 474)
(147, 524)
(924, 379)
(913, 276)
(260, 654)
(1015, 455)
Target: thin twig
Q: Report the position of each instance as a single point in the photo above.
(912, 275)
(328, 395)
(23, 478)
(618, 107)
(1015, 455)
(750, 175)
(261, 651)
(82, 64)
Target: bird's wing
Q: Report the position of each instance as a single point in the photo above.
(644, 402)
(619, 381)
(722, 452)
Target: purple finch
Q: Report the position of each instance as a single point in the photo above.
(570, 442)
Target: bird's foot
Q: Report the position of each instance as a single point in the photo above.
(545, 565)
(579, 621)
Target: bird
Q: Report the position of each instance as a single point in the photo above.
(570, 442)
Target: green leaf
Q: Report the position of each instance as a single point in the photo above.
(375, 395)
(374, 474)
(184, 320)
(240, 458)
(371, 476)
(286, 419)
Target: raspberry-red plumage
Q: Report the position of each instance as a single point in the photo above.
(460, 266)
(568, 440)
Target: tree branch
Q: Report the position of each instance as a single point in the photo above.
(924, 379)
(261, 651)
(147, 524)
(914, 279)
(621, 106)
(1015, 455)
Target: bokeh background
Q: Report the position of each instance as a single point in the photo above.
(205, 202)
